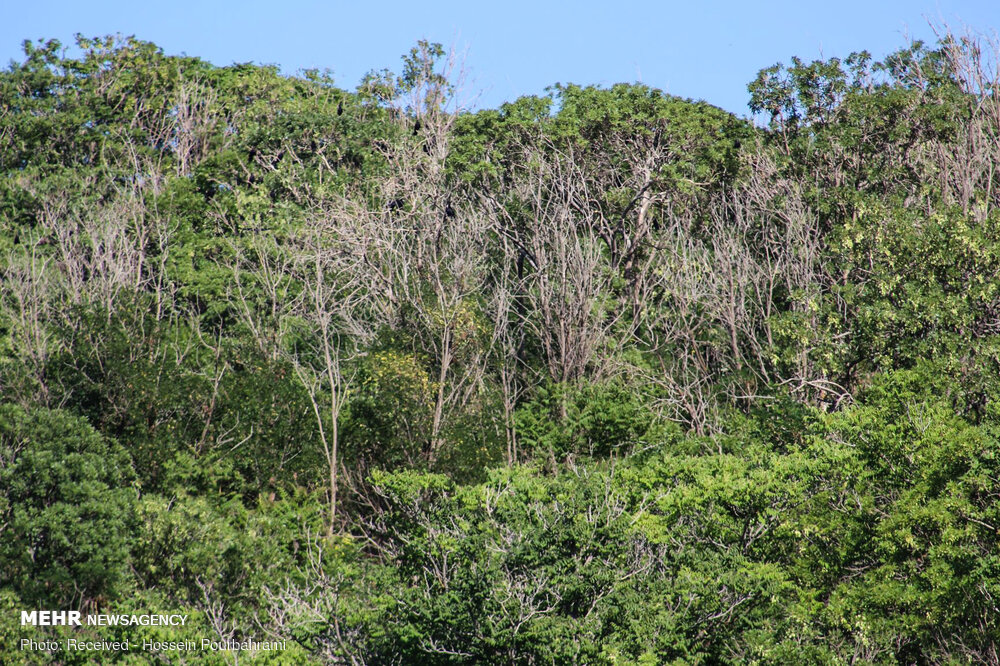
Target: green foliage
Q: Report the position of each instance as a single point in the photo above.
(927, 472)
(189, 543)
(67, 505)
(391, 410)
(816, 299)
(594, 420)
(114, 373)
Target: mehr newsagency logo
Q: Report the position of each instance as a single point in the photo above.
(49, 618)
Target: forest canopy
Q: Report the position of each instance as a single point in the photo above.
(601, 376)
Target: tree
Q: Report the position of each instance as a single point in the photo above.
(312, 292)
(67, 509)
(425, 240)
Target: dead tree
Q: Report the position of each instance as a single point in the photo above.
(425, 243)
(568, 278)
(305, 300)
(715, 289)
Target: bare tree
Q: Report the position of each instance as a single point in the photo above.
(966, 165)
(715, 288)
(306, 300)
(505, 309)
(27, 308)
(425, 242)
(567, 278)
(83, 252)
(195, 119)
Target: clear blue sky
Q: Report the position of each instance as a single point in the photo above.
(708, 50)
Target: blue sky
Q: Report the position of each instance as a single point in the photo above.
(708, 50)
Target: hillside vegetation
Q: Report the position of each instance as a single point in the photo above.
(603, 376)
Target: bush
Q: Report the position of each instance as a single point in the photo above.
(593, 419)
(66, 505)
